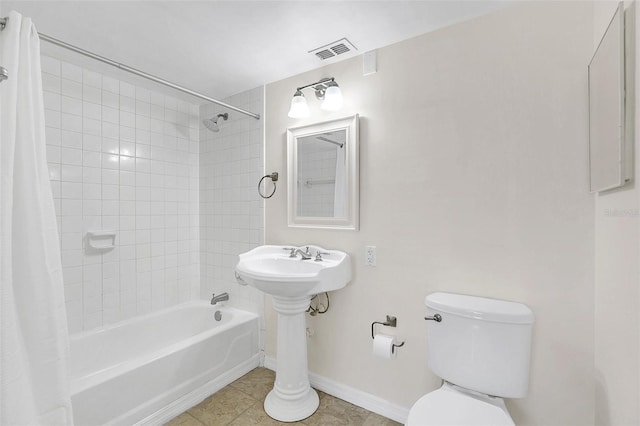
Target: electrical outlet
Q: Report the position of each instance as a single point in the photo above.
(370, 255)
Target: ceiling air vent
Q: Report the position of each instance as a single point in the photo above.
(331, 50)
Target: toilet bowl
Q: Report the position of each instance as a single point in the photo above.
(480, 348)
(452, 405)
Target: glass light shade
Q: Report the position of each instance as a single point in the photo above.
(332, 98)
(299, 107)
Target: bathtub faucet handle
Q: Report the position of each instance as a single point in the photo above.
(219, 298)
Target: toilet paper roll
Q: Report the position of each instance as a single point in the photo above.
(383, 345)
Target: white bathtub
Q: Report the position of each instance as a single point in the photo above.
(151, 368)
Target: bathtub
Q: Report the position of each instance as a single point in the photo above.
(151, 368)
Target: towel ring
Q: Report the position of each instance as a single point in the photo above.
(274, 178)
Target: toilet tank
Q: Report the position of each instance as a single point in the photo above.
(481, 344)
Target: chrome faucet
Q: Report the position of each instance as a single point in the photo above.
(305, 255)
(219, 298)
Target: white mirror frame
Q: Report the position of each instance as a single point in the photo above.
(350, 124)
(610, 148)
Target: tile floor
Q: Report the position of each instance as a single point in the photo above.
(240, 404)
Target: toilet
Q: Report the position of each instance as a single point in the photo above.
(480, 349)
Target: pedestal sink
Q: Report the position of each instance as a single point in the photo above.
(291, 281)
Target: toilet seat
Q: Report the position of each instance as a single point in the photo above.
(451, 405)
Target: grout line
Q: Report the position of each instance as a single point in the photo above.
(194, 418)
(247, 409)
(258, 403)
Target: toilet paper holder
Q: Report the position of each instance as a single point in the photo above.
(390, 322)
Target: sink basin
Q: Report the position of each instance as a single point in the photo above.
(291, 282)
(271, 270)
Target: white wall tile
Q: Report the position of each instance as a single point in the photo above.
(127, 148)
(127, 104)
(158, 99)
(110, 84)
(50, 66)
(53, 154)
(52, 101)
(71, 122)
(230, 220)
(127, 89)
(127, 163)
(52, 118)
(92, 174)
(71, 173)
(71, 72)
(91, 126)
(71, 156)
(92, 79)
(92, 110)
(110, 161)
(71, 139)
(91, 94)
(90, 158)
(52, 135)
(92, 191)
(110, 177)
(110, 99)
(71, 88)
(99, 137)
(71, 190)
(127, 133)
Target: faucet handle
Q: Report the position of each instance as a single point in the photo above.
(292, 253)
(319, 256)
(307, 252)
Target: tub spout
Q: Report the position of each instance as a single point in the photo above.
(219, 298)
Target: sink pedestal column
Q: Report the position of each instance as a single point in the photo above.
(291, 398)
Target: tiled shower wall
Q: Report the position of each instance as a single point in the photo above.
(124, 159)
(231, 211)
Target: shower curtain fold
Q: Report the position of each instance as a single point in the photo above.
(34, 347)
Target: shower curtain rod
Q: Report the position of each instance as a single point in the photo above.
(49, 39)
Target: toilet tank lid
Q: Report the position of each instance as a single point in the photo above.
(480, 308)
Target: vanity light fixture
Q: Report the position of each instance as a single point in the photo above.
(326, 90)
(299, 107)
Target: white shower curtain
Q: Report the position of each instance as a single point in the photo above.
(34, 346)
(340, 191)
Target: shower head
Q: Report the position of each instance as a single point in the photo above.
(4, 74)
(212, 123)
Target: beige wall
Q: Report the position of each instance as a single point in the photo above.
(617, 274)
(473, 180)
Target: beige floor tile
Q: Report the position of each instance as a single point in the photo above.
(255, 415)
(376, 420)
(241, 404)
(257, 383)
(222, 407)
(184, 419)
(334, 411)
(325, 419)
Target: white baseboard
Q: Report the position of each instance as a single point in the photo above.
(198, 395)
(357, 397)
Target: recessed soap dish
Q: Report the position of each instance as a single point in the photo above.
(101, 240)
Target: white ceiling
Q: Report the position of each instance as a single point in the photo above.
(220, 48)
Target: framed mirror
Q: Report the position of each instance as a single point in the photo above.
(608, 148)
(323, 177)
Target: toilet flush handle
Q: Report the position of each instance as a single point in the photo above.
(436, 318)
